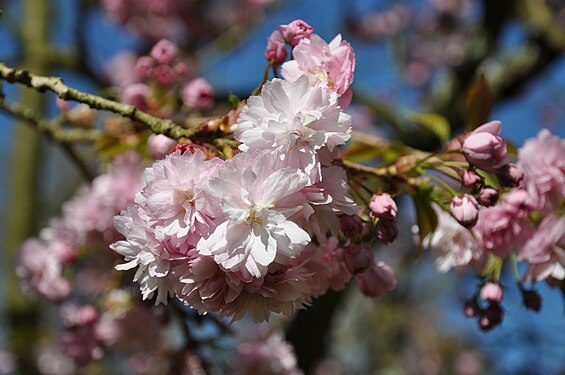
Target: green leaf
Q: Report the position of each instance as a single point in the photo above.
(234, 101)
(436, 124)
(478, 103)
(425, 216)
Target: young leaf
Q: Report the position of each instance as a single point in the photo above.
(436, 124)
(478, 103)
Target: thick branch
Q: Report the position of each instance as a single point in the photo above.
(56, 85)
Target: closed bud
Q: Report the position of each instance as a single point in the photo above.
(488, 196)
(383, 206)
(491, 317)
(531, 299)
(276, 49)
(491, 292)
(465, 209)
(295, 31)
(484, 148)
(358, 258)
(472, 308)
(377, 281)
(470, 179)
(164, 51)
(351, 225)
(510, 175)
(386, 231)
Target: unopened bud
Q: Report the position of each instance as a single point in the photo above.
(484, 147)
(491, 317)
(295, 31)
(276, 49)
(377, 281)
(351, 225)
(488, 196)
(386, 231)
(470, 179)
(383, 206)
(531, 299)
(491, 292)
(465, 209)
(358, 258)
(164, 51)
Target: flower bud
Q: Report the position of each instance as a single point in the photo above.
(470, 179)
(144, 67)
(484, 147)
(510, 175)
(160, 145)
(351, 225)
(491, 292)
(136, 95)
(386, 231)
(531, 299)
(165, 75)
(164, 51)
(465, 210)
(295, 31)
(276, 49)
(491, 317)
(358, 258)
(377, 281)
(488, 196)
(198, 94)
(383, 206)
(472, 308)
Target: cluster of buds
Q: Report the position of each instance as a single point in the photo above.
(290, 34)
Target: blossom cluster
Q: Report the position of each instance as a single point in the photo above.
(260, 232)
(86, 222)
(525, 221)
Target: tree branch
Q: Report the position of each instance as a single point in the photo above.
(56, 85)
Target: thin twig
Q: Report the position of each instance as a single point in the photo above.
(53, 131)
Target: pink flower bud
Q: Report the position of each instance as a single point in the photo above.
(295, 31)
(160, 145)
(276, 49)
(198, 94)
(470, 179)
(136, 95)
(510, 175)
(165, 75)
(164, 51)
(383, 206)
(386, 231)
(485, 148)
(358, 258)
(520, 202)
(144, 67)
(491, 292)
(472, 308)
(377, 281)
(465, 210)
(351, 225)
(488, 196)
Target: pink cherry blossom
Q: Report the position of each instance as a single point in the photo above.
(293, 120)
(164, 51)
(256, 231)
(210, 288)
(542, 160)
(500, 230)
(545, 250)
(331, 64)
(265, 353)
(451, 245)
(383, 206)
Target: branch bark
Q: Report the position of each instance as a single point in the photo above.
(56, 85)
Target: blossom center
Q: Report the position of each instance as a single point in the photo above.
(183, 196)
(253, 218)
